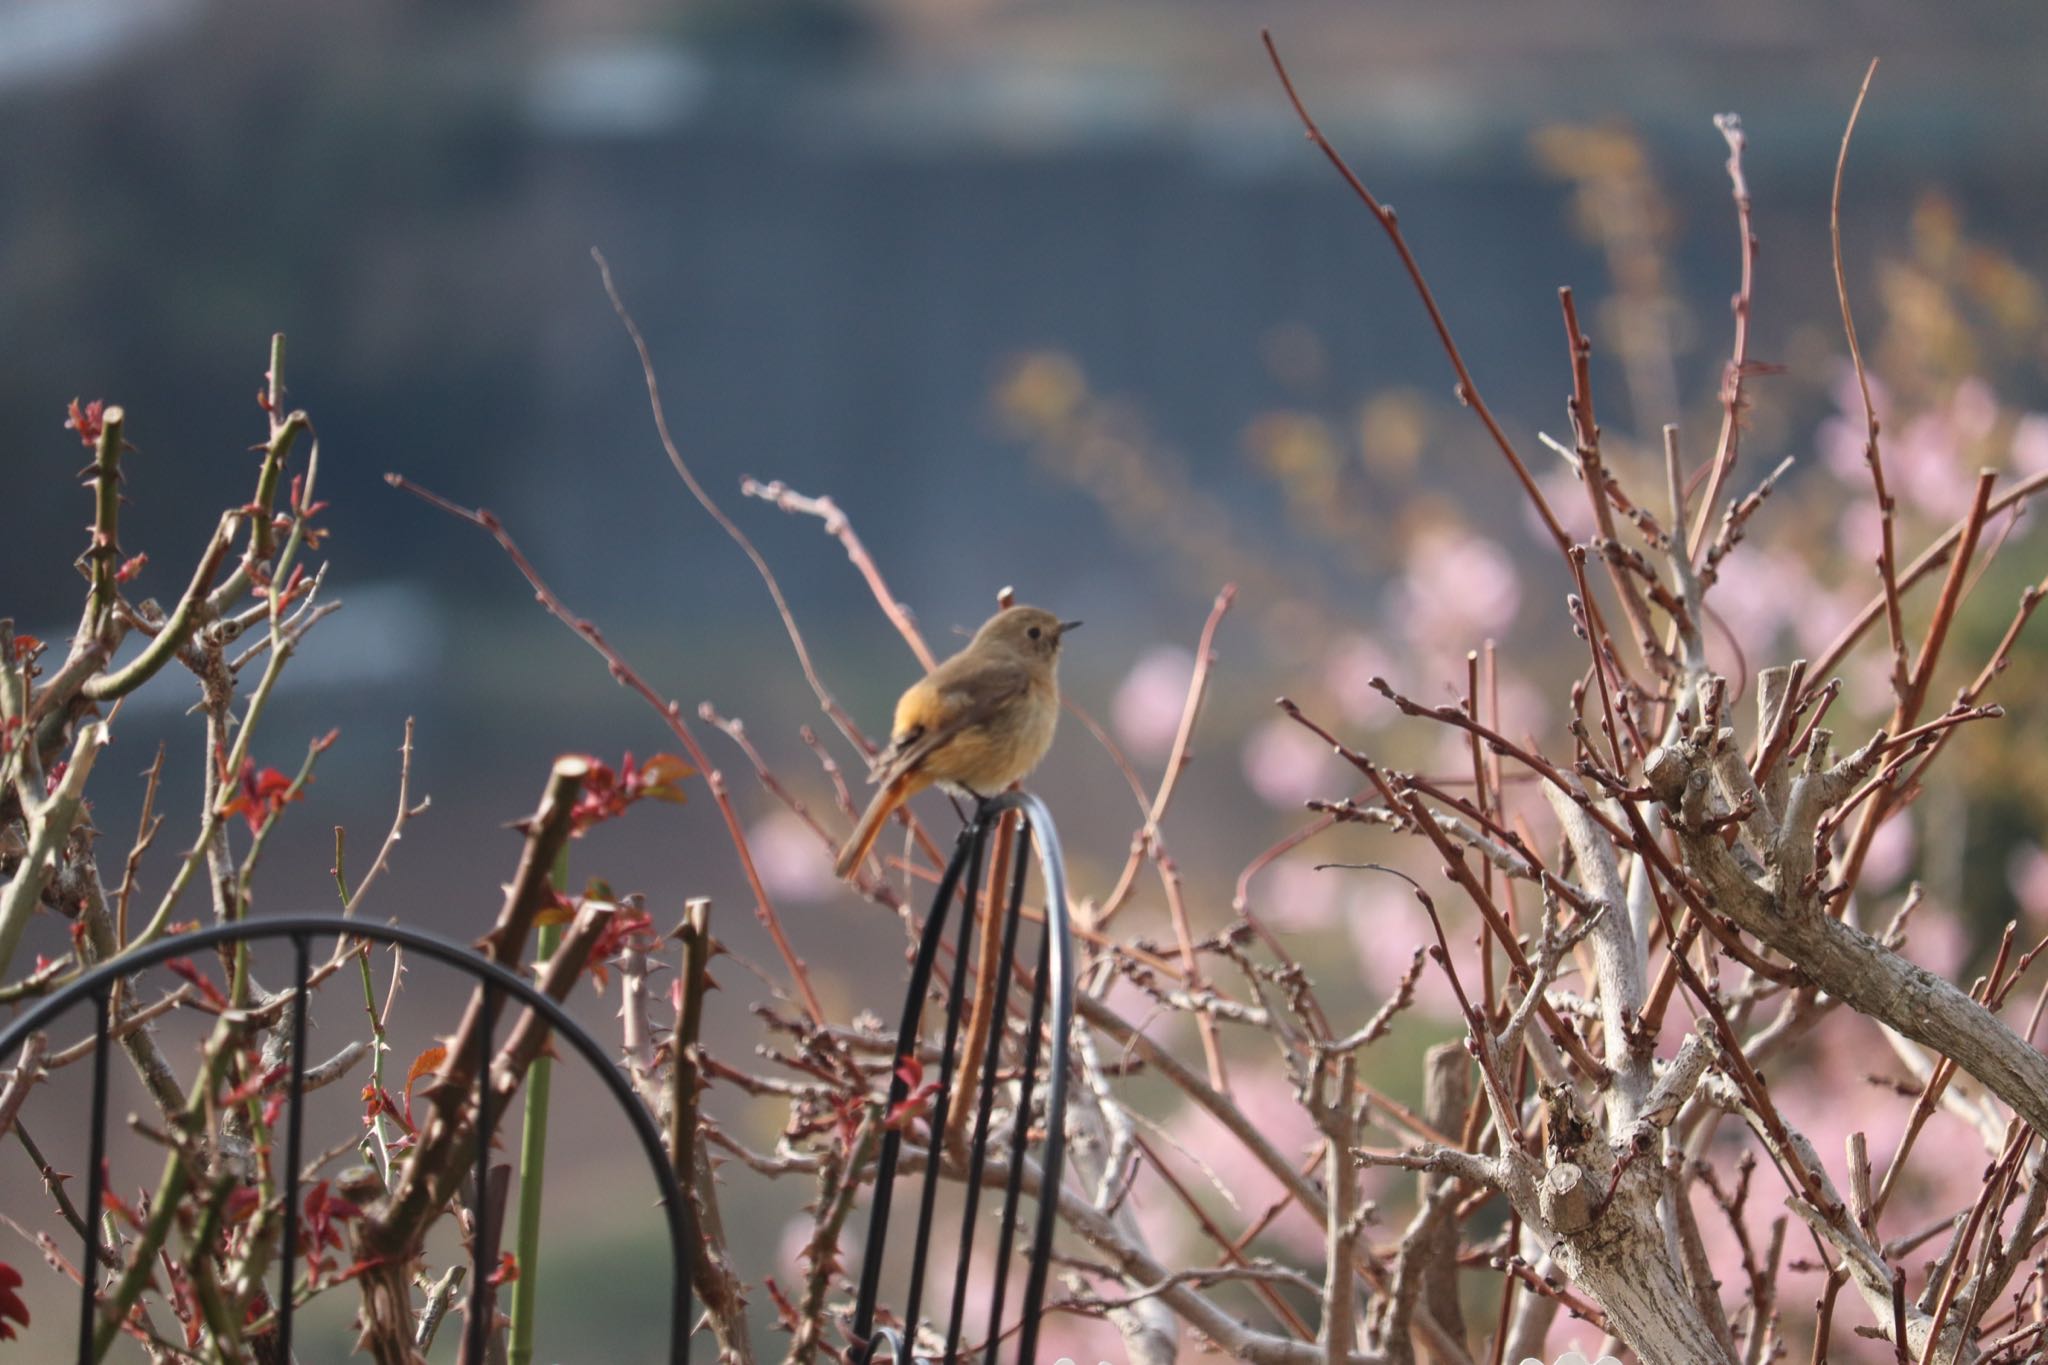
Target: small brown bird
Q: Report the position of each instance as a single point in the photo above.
(975, 724)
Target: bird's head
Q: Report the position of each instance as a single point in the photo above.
(1031, 632)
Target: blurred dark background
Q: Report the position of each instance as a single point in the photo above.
(840, 225)
(837, 222)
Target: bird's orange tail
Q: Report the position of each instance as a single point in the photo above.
(871, 821)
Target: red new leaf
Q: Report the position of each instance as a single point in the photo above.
(11, 1306)
(606, 794)
(912, 1106)
(182, 966)
(86, 420)
(424, 1064)
(260, 795)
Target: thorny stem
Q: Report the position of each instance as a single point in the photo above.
(533, 1156)
(675, 458)
(670, 711)
(1907, 710)
(1929, 559)
(50, 820)
(1586, 433)
(170, 1192)
(837, 524)
(1468, 392)
(1887, 554)
(1738, 361)
(103, 556)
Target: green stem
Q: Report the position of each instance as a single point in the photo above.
(170, 1194)
(49, 827)
(682, 1135)
(215, 816)
(533, 1157)
(227, 1335)
(375, 1134)
(283, 431)
(175, 631)
(105, 550)
(13, 681)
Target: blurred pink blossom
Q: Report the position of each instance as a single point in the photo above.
(1867, 682)
(1924, 466)
(1891, 853)
(1834, 1098)
(1862, 529)
(1840, 439)
(1080, 1339)
(1565, 491)
(1353, 662)
(1286, 765)
(1841, 436)
(2027, 873)
(794, 864)
(1387, 924)
(1451, 755)
(1146, 712)
(1265, 1092)
(1974, 409)
(1936, 939)
(1299, 899)
(1522, 708)
(1756, 594)
(1926, 459)
(1457, 587)
(2030, 444)
(1819, 614)
(1767, 589)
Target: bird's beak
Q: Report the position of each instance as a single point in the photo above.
(1066, 626)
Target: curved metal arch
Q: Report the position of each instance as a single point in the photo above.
(97, 983)
(1054, 986)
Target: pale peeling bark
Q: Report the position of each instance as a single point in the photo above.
(1777, 902)
(1595, 1201)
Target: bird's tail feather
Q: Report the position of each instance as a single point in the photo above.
(869, 829)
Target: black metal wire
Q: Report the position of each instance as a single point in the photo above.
(1053, 987)
(480, 1212)
(962, 955)
(971, 1195)
(294, 1141)
(96, 1175)
(499, 984)
(1020, 1137)
(899, 1089)
(1055, 979)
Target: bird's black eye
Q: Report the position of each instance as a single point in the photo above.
(1034, 632)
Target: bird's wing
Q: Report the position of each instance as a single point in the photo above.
(959, 702)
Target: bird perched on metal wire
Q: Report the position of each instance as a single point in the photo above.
(975, 724)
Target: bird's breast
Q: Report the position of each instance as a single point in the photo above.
(989, 756)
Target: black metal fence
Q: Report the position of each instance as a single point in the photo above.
(1051, 985)
(497, 986)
